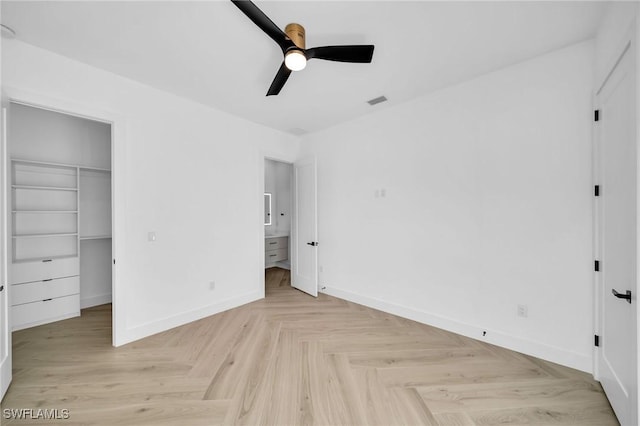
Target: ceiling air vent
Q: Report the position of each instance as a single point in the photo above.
(377, 100)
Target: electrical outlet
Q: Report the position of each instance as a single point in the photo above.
(523, 311)
(212, 285)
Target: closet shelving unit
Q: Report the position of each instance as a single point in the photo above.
(55, 207)
(45, 211)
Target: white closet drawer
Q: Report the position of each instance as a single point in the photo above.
(24, 272)
(36, 313)
(275, 255)
(276, 243)
(42, 290)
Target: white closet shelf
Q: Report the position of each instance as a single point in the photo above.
(95, 237)
(94, 169)
(61, 165)
(43, 163)
(46, 188)
(57, 234)
(45, 211)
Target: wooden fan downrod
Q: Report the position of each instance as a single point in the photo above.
(295, 32)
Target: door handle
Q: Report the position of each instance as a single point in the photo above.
(312, 243)
(626, 295)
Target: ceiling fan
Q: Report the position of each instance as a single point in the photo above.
(291, 41)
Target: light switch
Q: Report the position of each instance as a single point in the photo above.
(151, 236)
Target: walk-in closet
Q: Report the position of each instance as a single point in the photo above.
(60, 210)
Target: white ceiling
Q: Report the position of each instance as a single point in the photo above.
(210, 52)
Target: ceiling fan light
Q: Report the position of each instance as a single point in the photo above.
(295, 60)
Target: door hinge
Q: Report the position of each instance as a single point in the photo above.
(596, 265)
(596, 115)
(596, 191)
(596, 340)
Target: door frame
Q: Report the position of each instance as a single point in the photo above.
(6, 364)
(118, 162)
(630, 44)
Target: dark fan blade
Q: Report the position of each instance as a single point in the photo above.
(349, 53)
(280, 79)
(261, 20)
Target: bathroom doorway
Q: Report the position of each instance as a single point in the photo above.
(278, 207)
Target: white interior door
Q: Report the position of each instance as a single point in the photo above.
(305, 228)
(617, 361)
(5, 317)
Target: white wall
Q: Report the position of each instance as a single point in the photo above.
(284, 177)
(192, 174)
(59, 138)
(487, 205)
(615, 26)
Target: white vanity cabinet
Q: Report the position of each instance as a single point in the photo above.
(276, 249)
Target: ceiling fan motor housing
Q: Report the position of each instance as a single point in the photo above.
(295, 32)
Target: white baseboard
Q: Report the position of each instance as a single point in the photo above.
(88, 302)
(150, 328)
(515, 343)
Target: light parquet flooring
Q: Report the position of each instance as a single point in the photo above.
(291, 359)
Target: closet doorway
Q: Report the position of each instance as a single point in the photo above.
(60, 215)
(278, 208)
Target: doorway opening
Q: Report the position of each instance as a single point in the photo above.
(60, 216)
(278, 208)
(276, 280)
